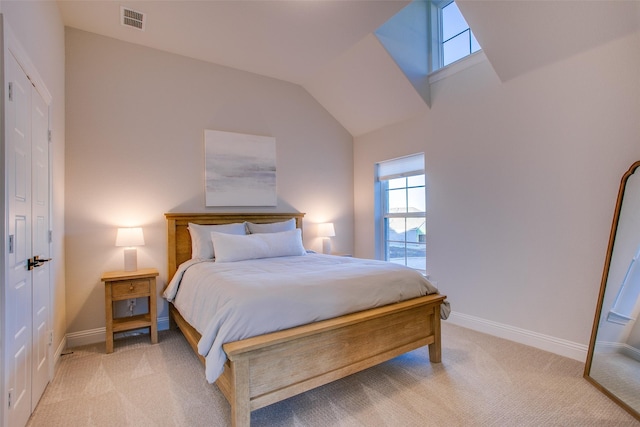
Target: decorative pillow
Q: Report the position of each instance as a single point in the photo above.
(231, 248)
(201, 244)
(274, 227)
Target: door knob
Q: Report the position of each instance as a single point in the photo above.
(36, 262)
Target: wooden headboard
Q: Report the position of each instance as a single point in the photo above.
(179, 239)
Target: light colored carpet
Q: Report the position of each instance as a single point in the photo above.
(483, 381)
(620, 374)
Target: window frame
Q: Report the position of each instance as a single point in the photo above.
(382, 216)
(435, 42)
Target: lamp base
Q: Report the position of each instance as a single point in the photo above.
(326, 246)
(130, 259)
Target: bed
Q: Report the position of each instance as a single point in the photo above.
(268, 368)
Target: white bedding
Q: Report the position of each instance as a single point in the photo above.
(227, 302)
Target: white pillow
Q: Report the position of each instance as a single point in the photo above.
(201, 244)
(253, 246)
(274, 227)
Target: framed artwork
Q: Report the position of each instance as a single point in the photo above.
(240, 169)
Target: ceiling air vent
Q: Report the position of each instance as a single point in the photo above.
(132, 18)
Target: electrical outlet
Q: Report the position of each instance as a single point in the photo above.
(131, 304)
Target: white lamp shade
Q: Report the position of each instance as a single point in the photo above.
(131, 236)
(326, 230)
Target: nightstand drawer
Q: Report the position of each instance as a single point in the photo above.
(129, 289)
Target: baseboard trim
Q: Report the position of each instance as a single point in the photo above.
(59, 350)
(544, 342)
(92, 336)
(608, 347)
(523, 336)
(88, 336)
(55, 357)
(631, 352)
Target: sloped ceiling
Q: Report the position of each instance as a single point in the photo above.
(520, 36)
(329, 48)
(365, 89)
(286, 40)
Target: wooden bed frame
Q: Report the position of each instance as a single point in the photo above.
(269, 368)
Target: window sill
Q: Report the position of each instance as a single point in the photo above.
(455, 67)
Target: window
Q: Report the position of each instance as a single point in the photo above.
(628, 295)
(452, 39)
(402, 206)
(430, 41)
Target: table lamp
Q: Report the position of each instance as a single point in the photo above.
(130, 238)
(326, 231)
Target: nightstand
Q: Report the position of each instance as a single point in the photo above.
(124, 285)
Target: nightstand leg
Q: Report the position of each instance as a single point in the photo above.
(109, 318)
(153, 312)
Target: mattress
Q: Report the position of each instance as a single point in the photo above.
(230, 301)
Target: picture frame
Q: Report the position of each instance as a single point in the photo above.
(240, 169)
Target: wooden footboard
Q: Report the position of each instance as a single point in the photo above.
(273, 367)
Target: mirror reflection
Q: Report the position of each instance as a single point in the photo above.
(613, 364)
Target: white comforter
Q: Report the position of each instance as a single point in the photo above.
(231, 301)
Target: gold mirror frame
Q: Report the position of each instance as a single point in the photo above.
(601, 296)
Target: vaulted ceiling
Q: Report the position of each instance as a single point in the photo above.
(328, 46)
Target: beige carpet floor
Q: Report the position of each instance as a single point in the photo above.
(620, 375)
(482, 381)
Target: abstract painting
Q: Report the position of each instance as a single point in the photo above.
(240, 169)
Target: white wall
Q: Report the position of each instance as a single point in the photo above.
(522, 179)
(38, 27)
(135, 150)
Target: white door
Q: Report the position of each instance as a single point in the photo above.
(40, 242)
(19, 289)
(28, 290)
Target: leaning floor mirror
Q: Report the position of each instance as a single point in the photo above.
(613, 361)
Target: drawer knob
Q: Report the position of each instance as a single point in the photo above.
(130, 288)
